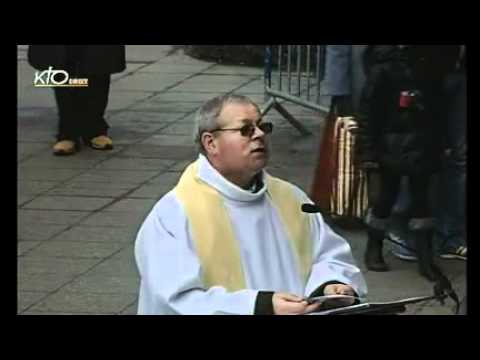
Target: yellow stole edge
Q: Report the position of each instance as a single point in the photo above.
(296, 224)
(211, 231)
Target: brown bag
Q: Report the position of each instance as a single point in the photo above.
(340, 187)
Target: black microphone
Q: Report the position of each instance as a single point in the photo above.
(311, 209)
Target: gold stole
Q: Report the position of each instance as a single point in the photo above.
(213, 236)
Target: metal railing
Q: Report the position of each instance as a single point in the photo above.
(294, 74)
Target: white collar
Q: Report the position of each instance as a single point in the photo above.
(208, 174)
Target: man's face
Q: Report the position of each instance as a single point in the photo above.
(236, 155)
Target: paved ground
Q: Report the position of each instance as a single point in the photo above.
(78, 216)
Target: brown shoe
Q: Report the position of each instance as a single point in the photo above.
(64, 148)
(101, 142)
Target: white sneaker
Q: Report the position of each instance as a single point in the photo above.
(459, 253)
(400, 252)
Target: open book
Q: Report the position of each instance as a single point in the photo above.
(335, 307)
(333, 300)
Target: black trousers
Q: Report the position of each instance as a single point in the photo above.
(451, 196)
(81, 110)
(419, 187)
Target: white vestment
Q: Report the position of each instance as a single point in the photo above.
(170, 270)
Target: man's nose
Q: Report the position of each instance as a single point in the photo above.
(258, 133)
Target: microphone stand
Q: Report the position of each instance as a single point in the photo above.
(443, 288)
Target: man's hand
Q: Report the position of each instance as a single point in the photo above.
(287, 304)
(340, 289)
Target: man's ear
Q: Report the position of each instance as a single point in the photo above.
(208, 142)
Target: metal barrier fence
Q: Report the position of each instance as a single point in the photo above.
(294, 74)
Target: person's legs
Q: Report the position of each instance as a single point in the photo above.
(377, 221)
(95, 100)
(398, 231)
(453, 237)
(68, 131)
(65, 98)
(452, 233)
(69, 106)
(422, 224)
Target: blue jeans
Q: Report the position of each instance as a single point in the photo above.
(400, 218)
(451, 195)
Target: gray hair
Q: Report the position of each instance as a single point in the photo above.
(206, 118)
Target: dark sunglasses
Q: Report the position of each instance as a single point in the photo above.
(249, 129)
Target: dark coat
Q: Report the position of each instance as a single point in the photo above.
(78, 59)
(404, 140)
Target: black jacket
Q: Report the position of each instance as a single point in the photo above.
(405, 135)
(78, 59)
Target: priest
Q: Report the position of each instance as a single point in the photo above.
(230, 239)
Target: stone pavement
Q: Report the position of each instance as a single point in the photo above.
(78, 216)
